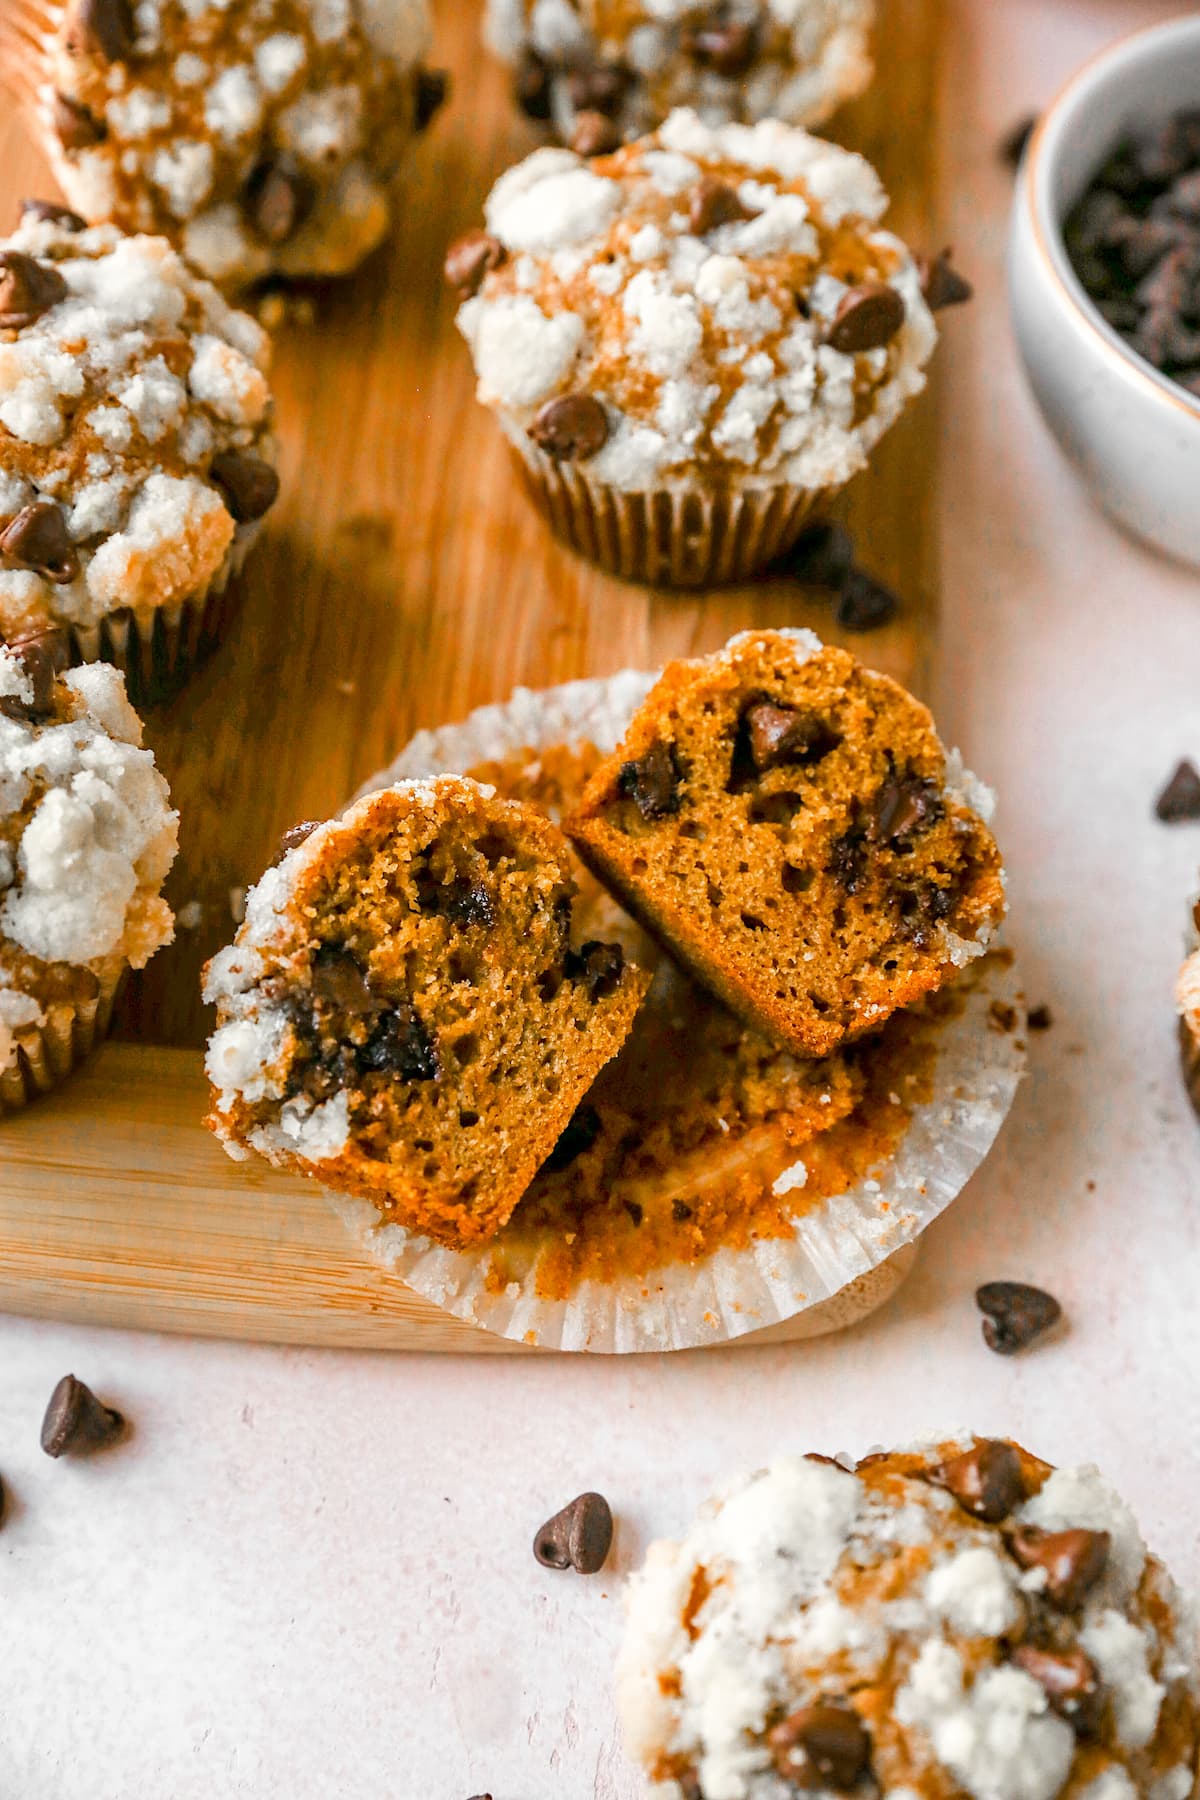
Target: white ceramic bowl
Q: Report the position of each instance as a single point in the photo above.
(1133, 434)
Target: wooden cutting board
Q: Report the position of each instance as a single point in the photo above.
(403, 579)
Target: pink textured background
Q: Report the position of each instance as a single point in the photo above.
(309, 1575)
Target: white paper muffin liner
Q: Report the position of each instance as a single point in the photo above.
(845, 1239)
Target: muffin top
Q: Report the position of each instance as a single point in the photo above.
(250, 131)
(705, 303)
(956, 1620)
(134, 425)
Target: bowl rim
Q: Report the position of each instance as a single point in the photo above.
(1035, 178)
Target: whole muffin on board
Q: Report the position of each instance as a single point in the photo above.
(87, 837)
(691, 342)
(136, 448)
(958, 1621)
(601, 67)
(261, 136)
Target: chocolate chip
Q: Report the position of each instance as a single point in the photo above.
(43, 656)
(470, 258)
(28, 289)
(76, 1423)
(822, 555)
(636, 1211)
(1180, 799)
(784, 734)
(47, 212)
(596, 967)
(431, 88)
(1073, 1561)
(249, 486)
(867, 317)
(600, 89)
(987, 1480)
(1016, 1314)
(37, 539)
(466, 903)
(75, 127)
(1069, 1680)
(652, 782)
(715, 203)
(582, 1130)
(341, 980)
(904, 806)
(1012, 144)
(720, 43)
(400, 1045)
(532, 87)
(571, 428)
(1040, 1018)
(941, 283)
(681, 1212)
(594, 134)
(821, 1746)
(864, 602)
(295, 835)
(277, 198)
(100, 28)
(579, 1537)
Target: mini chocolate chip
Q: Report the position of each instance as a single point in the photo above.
(75, 127)
(277, 198)
(470, 258)
(37, 539)
(821, 1746)
(724, 44)
(341, 980)
(600, 89)
(1016, 1314)
(1069, 1680)
(636, 1211)
(401, 1045)
(864, 603)
(28, 289)
(571, 428)
(581, 1132)
(652, 782)
(100, 28)
(295, 835)
(594, 134)
(822, 555)
(941, 283)
(532, 88)
(783, 734)
(1040, 1018)
(249, 486)
(76, 1423)
(715, 203)
(596, 967)
(465, 902)
(1012, 144)
(1073, 1561)
(867, 317)
(1180, 799)
(681, 1211)
(47, 212)
(579, 1537)
(987, 1480)
(904, 806)
(43, 655)
(431, 89)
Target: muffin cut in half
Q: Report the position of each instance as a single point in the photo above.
(403, 1013)
(789, 824)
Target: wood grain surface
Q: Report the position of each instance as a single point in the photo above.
(402, 580)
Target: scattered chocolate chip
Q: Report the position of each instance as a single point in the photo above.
(714, 203)
(784, 734)
(594, 134)
(470, 259)
(1012, 144)
(37, 539)
(1040, 1018)
(341, 980)
(571, 428)
(1073, 1561)
(864, 602)
(28, 289)
(1180, 799)
(904, 806)
(401, 1045)
(579, 1537)
(986, 1480)
(43, 656)
(822, 555)
(277, 198)
(681, 1212)
(582, 1130)
(821, 1746)
(596, 967)
(941, 283)
(76, 1422)
(868, 317)
(720, 43)
(75, 127)
(1016, 1314)
(431, 88)
(599, 89)
(249, 486)
(652, 782)
(532, 88)
(100, 28)
(295, 835)
(47, 212)
(1069, 1680)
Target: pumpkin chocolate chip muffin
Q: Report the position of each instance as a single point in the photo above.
(1187, 995)
(959, 1619)
(87, 836)
(403, 1014)
(789, 823)
(261, 136)
(136, 454)
(691, 341)
(621, 68)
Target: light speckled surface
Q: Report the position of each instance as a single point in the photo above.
(308, 1575)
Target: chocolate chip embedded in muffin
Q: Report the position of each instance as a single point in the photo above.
(594, 134)
(469, 259)
(531, 87)
(75, 127)
(42, 657)
(720, 42)
(652, 782)
(1070, 1681)
(596, 967)
(249, 485)
(821, 1746)
(868, 317)
(714, 203)
(28, 289)
(987, 1480)
(36, 538)
(1070, 1562)
(571, 428)
(48, 212)
(100, 28)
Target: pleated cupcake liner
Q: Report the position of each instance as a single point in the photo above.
(44, 1056)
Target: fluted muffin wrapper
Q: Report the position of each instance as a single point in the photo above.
(45, 1055)
(848, 1253)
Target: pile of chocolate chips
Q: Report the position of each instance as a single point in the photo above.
(1134, 242)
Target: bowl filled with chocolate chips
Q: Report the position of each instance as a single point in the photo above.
(1104, 271)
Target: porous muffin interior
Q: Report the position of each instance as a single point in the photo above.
(435, 1016)
(781, 817)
